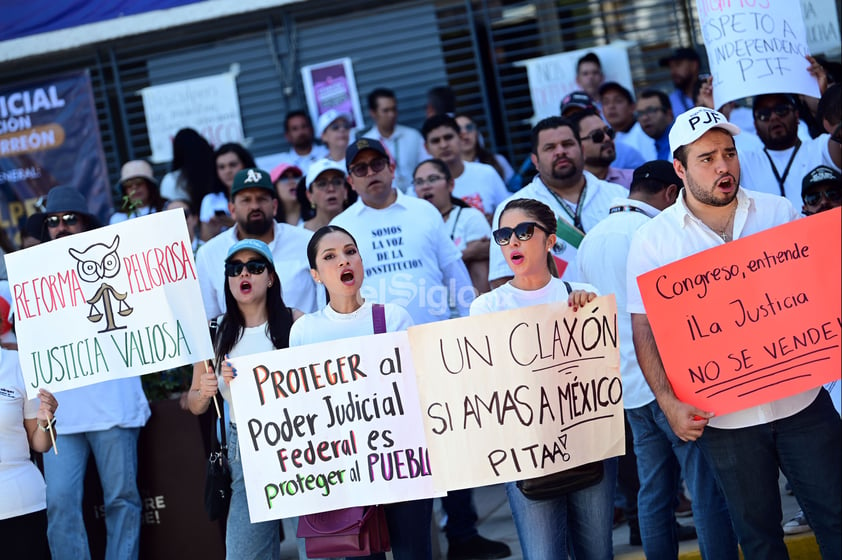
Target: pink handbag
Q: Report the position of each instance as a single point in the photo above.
(354, 531)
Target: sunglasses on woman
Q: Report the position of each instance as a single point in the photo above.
(235, 268)
(68, 219)
(524, 232)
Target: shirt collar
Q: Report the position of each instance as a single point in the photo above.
(744, 203)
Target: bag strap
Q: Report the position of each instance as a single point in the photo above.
(220, 442)
(568, 286)
(378, 315)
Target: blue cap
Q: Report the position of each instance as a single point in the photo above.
(255, 245)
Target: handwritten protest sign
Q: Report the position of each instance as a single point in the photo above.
(521, 393)
(330, 425)
(755, 47)
(753, 320)
(822, 24)
(113, 302)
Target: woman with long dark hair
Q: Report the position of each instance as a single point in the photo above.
(214, 215)
(256, 320)
(473, 148)
(192, 169)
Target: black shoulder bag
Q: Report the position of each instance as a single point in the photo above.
(218, 479)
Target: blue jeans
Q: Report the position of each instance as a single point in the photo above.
(581, 520)
(805, 446)
(409, 531)
(659, 453)
(245, 540)
(115, 454)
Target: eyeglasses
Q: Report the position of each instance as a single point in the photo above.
(376, 165)
(832, 195)
(648, 112)
(323, 184)
(339, 126)
(523, 230)
(765, 114)
(469, 128)
(598, 135)
(68, 219)
(235, 268)
(431, 179)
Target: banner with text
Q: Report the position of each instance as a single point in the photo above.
(113, 302)
(209, 105)
(330, 425)
(755, 46)
(822, 23)
(520, 393)
(753, 320)
(49, 135)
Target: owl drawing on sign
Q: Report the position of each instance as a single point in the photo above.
(98, 261)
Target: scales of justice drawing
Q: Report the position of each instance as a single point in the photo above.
(98, 262)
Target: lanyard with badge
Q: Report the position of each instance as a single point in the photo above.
(626, 208)
(782, 179)
(575, 233)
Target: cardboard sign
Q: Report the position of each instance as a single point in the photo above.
(751, 321)
(755, 47)
(117, 301)
(330, 425)
(518, 394)
(822, 24)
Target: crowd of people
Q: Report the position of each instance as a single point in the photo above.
(624, 183)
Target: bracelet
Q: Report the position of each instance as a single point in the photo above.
(46, 428)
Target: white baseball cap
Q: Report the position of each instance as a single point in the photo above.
(320, 166)
(326, 119)
(691, 125)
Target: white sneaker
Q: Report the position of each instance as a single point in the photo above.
(797, 524)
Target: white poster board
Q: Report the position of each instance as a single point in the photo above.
(756, 47)
(331, 85)
(330, 425)
(553, 76)
(822, 24)
(521, 393)
(209, 105)
(114, 302)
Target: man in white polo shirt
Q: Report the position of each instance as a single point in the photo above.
(799, 434)
(253, 205)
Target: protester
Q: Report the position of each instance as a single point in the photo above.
(298, 131)
(821, 189)
(103, 419)
(618, 110)
(798, 434)
(659, 453)
(684, 64)
(474, 150)
(405, 145)
(139, 190)
(468, 226)
(256, 320)
(441, 100)
(24, 425)
(334, 128)
(192, 169)
(285, 178)
(589, 75)
(598, 148)
(213, 213)
(326, 192)
(580, 521)
(191, 219)
(654, 113)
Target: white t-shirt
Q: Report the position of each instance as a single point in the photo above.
(465, 225)
(255, 340)
(406, 146)
(508, 297)
(757, 173)
(676, 233)
(480, 186)
(118, 217)
(211, 203)
(119, 403)
(597, 201)
(407, 255)
(22, 487)
(289, 251)
(638, 139)
(602, 262)
(172, 188)
(326, 324)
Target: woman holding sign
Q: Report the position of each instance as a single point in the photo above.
(256, 320)
(581, 520)
(335, 262)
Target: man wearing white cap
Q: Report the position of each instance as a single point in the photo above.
(798, 434)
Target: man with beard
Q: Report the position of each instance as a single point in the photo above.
(598, 148)
(298, 131)
(253, 204)
(654, 113)
(578, 198)
(799, 434)
(684, 64)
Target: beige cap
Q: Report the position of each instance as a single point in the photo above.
(137, 168)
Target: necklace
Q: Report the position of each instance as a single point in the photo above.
(726, 233)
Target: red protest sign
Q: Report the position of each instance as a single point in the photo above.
(751, 321)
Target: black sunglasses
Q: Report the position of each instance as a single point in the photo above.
(69, 219)
(235, 268)
(832, 195)
(376, 165)
(597, 136)
(764, 115)
(524, 232)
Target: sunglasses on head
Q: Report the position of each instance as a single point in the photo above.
(524, 231)
(376, 165)
(598, 135)
(765, 114)
(235, 268)
(832, 195)
(68, 219)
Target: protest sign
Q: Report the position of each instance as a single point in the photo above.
(112, 302)
(822, 24)
(521, 393)
(755, 47)
(330, 425)
(210, 105)
(49, 135)
(331, 85)
(753, 320)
